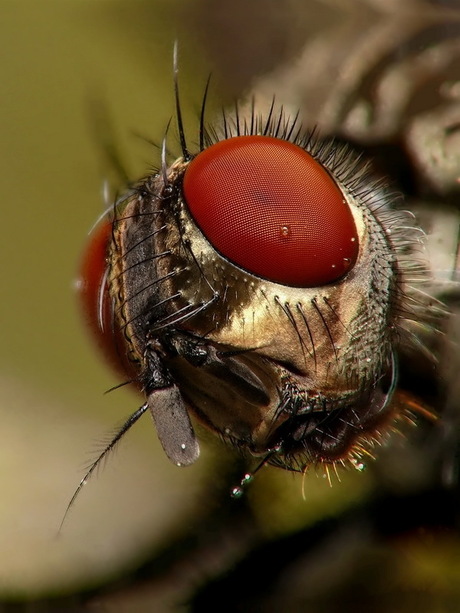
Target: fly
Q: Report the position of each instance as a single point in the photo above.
(260, 286)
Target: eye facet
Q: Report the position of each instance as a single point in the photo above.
(268, 206)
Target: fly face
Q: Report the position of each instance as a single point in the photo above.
(261, 286)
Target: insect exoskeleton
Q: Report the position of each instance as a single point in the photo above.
(261, 286)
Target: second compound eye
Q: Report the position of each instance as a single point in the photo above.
(96, 301)
(269, 207)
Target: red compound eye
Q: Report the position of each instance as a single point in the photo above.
(268, 206)
(96, 301)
